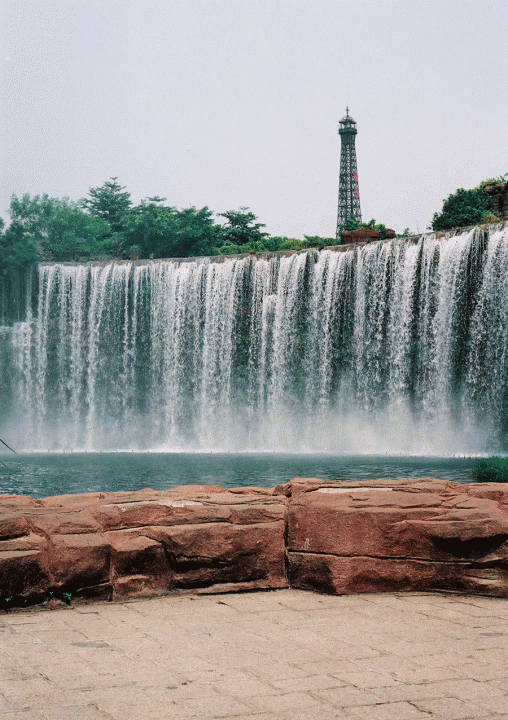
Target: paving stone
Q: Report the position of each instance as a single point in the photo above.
(322, 714)
(264, 716)
(5, 705)
(282, 655)
(289, 702)
(449, 708)
(249, 687)
(469, 690)
(212, 707)
(498, 704)
(346, 696)
(426, 675)
(84, 712)
(313, 682)
(389, 711)
(367, 679)
(145, 711)
(329, 667)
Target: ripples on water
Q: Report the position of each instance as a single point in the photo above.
(43, 475)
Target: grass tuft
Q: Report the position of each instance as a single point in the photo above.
(492, 469)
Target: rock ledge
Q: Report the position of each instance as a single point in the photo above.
(373, 536)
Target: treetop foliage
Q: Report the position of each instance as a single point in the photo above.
(462, 208)
(240, 227)
(106, 224)
(467, 207)
(109, 203)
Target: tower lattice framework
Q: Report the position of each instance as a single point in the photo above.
(349, 191)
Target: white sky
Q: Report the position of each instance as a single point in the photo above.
(231, 103)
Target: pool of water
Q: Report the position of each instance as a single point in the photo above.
(42, 475)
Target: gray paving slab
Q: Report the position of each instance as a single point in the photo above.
(274, 655)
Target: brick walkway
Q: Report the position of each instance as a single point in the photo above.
(276, 655)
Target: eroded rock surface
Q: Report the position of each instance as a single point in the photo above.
(407, 535)
(110, 545)
(329, 537)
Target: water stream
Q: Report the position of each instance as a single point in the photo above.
(395, 347)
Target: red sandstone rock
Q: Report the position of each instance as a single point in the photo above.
(22, 577)
(347, 539)
(138, 563)
(78, 561)
(63, 523)
(341, 537)
(139, 586)
(223, 553)
(345, 575)
(14, 525)
(16, 502)
(104, 544)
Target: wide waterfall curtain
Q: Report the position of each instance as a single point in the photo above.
(393, 347)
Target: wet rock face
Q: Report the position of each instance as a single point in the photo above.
(328, 537)
(407, 535)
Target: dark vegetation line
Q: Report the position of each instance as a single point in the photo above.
(107, 225)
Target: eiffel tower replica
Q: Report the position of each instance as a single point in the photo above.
(349, 191)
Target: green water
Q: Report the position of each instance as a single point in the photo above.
(42, 475)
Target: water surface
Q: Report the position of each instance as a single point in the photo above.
(42, 475)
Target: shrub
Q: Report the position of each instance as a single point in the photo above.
(462, 208)
(493, 469)
(489, 217)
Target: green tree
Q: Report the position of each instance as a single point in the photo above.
(158, 231)
(110, 203)
(17, 249)
(352, 223)
(241, 228)
(317, 241)
(197, 233)
(59, 228)
(461, 208)
(149, 227)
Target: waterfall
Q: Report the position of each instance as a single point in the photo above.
(394, 347)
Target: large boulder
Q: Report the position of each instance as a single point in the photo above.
(111, 545)
(402, 535)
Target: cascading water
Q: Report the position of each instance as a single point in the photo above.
(399, 346)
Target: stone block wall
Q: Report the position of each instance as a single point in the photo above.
(328, 537)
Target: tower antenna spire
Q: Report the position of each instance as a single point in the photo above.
(349, 191)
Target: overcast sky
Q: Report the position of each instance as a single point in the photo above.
(230, 103)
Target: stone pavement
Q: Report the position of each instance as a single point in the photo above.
(276, 655)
